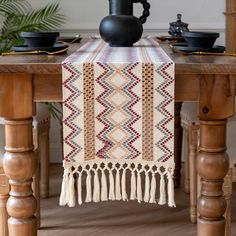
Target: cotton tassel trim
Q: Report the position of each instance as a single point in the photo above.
(104, 187)
(110, 181)
(171, 194)
(162, 199)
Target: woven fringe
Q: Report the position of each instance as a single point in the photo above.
(89, 188)
(147, 188)
(139, 188)
(112, 186)
(133, 186)
(153, 189)
(79, 187)
(98, 191)
(123, 188)
(63, 197)
(104, 187)
(118, 193)
(162, 199)
(171, 194)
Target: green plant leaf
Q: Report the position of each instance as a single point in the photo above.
(19, 16)
(14, 6)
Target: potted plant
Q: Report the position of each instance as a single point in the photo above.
(19, 16)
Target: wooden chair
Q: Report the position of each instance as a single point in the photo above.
(41, 126)
(191, 134)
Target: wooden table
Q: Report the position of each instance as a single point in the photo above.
(210, 80)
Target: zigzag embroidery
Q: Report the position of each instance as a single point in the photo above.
(167, 99)
(73, 111)
(134, 117)
(108, 107)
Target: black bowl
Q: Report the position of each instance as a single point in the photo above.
(39, 39)
(200, 39)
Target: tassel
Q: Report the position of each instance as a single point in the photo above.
(139, 188)
(111, 190)
(89, 188)
(147, 188)
(71, 200)
(123, 183)
(63, 197)
(162, 199)
(104, 187)
(153, 189)
(96, 188)
(79, 186)
(133, 186)
(171, 197)
(118, 193)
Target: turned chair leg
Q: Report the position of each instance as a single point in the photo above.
(186, 159)
(193, 137)
(4, 194)
(44, 162)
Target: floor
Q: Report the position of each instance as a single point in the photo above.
(117, 218)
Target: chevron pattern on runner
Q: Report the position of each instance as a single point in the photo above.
(118, 115)
(72, 106)
(166, 81)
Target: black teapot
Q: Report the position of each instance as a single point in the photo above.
(121, 28)
(177, 27)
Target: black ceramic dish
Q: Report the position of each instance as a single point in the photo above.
(183, 47)
(56, 47)
(39, 39)
(200, 39)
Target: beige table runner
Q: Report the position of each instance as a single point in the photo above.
(118, 106)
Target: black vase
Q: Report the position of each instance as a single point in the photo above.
(121, 28)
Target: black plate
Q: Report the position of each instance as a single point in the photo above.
(25, 48)
(184, 48)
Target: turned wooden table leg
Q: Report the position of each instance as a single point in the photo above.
(19, 161)
(212, 166)
(216, 104)
(178, 144)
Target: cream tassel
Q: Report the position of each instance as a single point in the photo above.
(88, 188)
(96, 187)
(162, 199)
(153, 189)
(71, 200)
(104, 187)
(139, 188)
(171, 194)
(65, 183)
(147, 188)
(118, 193)
(123, 184)
(79, 186)
(133, 186)
(111, 190)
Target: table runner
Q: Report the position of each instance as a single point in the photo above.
(118, 124)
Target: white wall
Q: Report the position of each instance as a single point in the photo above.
(84, 16)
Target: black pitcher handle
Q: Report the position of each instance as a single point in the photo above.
(146, 12)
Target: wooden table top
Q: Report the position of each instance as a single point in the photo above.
(185, 64)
